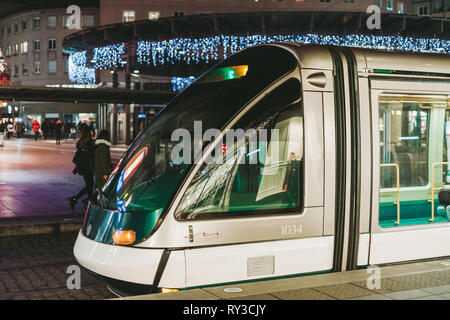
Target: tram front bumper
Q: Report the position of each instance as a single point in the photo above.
(133, 265)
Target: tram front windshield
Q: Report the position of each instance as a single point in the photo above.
(147, 177)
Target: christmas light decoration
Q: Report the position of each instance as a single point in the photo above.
(180, 83)
(78, 72)
(109, 57)
(212, 49)
(207, 49)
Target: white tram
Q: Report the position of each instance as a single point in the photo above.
(362, 151)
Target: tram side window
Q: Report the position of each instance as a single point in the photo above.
(404, 130)
(412, 128)
(259, 174)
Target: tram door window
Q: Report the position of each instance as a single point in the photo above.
(272, 182)
(411, 131)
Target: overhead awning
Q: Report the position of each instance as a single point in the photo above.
(85, 95)
(270, 23)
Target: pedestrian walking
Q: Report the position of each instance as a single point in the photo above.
(18, 129)
(35, 125)
(45, 129)
(102, 160)
(92, 127)
(10, 130)
(84, 166)
(58, 131)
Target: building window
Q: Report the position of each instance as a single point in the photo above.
(24, 47)
(37, 45)
(379, 3)
(52, 67)
(24, 69)
(422, 10)
(8, 30)
(51, 21)
(8, 51)
(36, 23)
(153, 15)
(16, 71)
(51, 44)
(390, 5)
(324, 0)
(178, 13)
(16, 49)
(400, 8)
(16, 27)
(129, 16)
(349, 1)
(37, 67)
(88, 21)
(24, 25)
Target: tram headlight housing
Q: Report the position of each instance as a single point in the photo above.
(168, 290)
(124, 237)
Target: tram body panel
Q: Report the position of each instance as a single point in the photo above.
(401, 61)
(366, 156)
(251, 261)
(174, 275)
(117, 262)
(330, 164)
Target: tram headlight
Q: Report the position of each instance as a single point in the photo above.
(167, 290)
(124, 236)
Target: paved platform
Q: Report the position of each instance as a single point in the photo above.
(36, 179)
(413, 281)
(34, 267)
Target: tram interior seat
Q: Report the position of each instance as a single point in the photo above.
(411, 174)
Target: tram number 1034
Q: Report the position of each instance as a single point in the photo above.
(291, 229)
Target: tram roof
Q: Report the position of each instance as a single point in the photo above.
(318, 57)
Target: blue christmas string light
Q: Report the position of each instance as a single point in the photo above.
(78, 72)
(194, 51)
(180, 83)
(208, 49)
(109, 56)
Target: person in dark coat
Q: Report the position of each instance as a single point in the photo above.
(58, 131)
(85, 166)
(102, 160)
(45, 129)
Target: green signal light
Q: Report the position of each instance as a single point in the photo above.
(383, 71)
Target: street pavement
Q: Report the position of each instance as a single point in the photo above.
(426, 280)
(34, 267)
(36, 179)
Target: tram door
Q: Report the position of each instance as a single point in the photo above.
(411, 139)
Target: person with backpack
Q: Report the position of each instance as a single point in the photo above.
(102, 163)
(84, 165)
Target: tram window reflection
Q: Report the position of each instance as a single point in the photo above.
(238, 187)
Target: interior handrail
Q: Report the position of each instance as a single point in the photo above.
(397, 169)
(433, 187)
